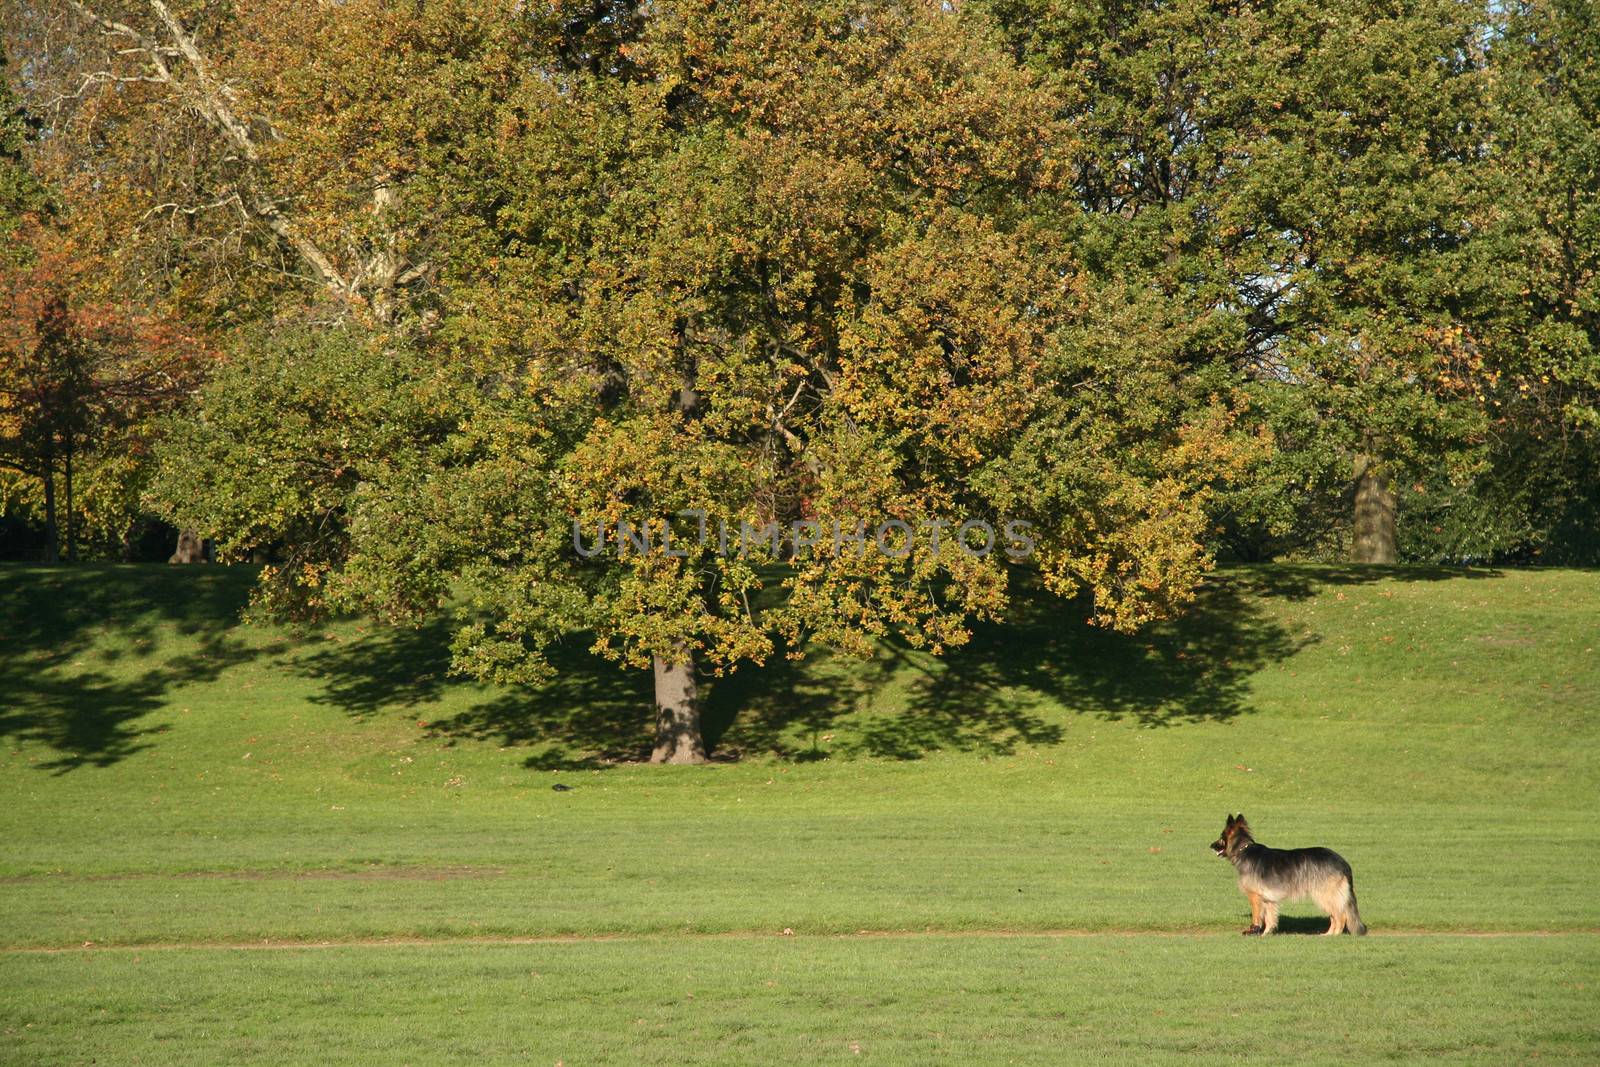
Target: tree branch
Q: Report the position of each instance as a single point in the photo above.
(211, 99)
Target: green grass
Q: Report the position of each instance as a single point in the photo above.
(671, 1000)
(170, 778)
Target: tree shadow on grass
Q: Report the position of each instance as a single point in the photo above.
(386, 668)
(793, 709)
(1008, 687)
(83, 658)
(1290, 581)
(86, 656)
(591, 714)
(962, 703)
(786, 707)
(989, 696)
(1194, 668)
(1010, 684)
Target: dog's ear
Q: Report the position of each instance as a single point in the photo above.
(1240, 821)
(1232, 819)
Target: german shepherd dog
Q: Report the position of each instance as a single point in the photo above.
(1270, 875)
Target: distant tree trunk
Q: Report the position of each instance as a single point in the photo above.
(191, 548)
(52, 535)
(72, 533)
(678, 737)
(1375, 512)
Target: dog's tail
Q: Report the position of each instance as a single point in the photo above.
(1352, 917)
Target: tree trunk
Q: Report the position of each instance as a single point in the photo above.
(191, 549)
(129, 542)
(1375, 508)
(72, 534)
(52, 536)
(678, 737)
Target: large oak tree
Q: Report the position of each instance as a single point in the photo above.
(772, 264)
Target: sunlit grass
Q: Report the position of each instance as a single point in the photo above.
(811, 1000)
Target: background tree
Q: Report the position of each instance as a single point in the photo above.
(79, 382)
(1298, 189)
(21, 193)
(1386, 330)
(44, 386)
(1537, 497)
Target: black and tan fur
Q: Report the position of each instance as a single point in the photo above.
(1268, 876)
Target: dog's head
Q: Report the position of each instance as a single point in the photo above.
(1234, 827)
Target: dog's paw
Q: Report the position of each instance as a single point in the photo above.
(1253, 931)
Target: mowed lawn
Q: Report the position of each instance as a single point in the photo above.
(998, 856)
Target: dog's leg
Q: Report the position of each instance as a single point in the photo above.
(1255, 913)
(1333, 904)
(1269, 916)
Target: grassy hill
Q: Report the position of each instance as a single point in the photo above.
(175, 784)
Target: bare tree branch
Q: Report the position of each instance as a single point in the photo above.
(178, 209)
(211, 98)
